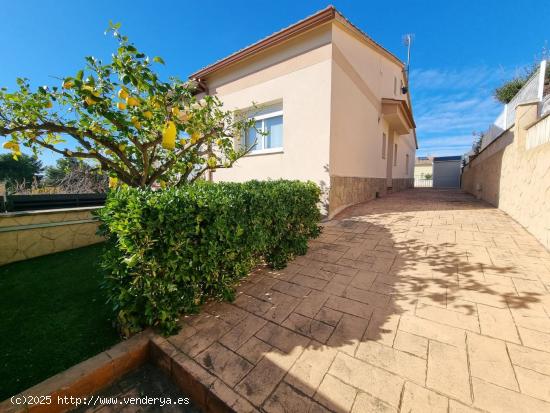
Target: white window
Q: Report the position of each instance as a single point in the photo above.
(267, 134)
(384, 145)
(395, 154)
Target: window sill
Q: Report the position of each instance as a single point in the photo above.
(265, 152)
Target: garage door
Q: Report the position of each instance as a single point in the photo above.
(446, 174)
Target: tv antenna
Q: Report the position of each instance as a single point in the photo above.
(407, 41)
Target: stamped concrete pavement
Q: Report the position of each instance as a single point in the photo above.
(421, 301)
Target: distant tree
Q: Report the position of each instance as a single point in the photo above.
(25, 168)
(478, 140)
(506, 92)
(54, 174)
(71, 175)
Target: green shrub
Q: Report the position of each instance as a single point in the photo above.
(169, 251)
(505, 93)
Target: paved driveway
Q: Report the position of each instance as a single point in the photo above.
(421, 301)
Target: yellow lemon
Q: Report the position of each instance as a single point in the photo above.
(122, 146)
(48, 104)
(132, 101)
(91, 89)
(147, 114)
(195, 136)
(162, 184)
(122, 94)
(169, 135)
(90, 101)
(175, 111)
(135, 122)
(121, 105)
(113, 182)
(156, 102)
(68, 84)
(212, 162)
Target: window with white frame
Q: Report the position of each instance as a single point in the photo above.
(395, 154)
(267, 134)
(384, 145)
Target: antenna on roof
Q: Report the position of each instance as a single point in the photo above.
(407, 41)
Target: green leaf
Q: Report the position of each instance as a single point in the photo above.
(158, 59)
(79, 75)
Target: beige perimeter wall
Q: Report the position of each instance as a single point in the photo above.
(26, 235)
(514, 178)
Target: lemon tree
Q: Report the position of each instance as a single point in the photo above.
(125, 119)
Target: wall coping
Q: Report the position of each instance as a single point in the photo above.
(493, 141)
(47, 211)
(540, 119)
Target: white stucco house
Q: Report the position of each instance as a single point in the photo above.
(335, 105)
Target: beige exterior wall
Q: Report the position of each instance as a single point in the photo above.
(298, 77)
(330, 84)
(361, 77)
(26, 235)
(514, 178)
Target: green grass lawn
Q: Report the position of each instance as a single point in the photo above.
(53, 315)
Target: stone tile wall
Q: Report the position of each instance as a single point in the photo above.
(30, 234)
(350, 190)
(514, 178)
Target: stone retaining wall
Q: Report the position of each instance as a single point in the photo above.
(401, 184)
(350, 190)
(30, 234)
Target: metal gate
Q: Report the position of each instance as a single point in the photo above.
(447, 172)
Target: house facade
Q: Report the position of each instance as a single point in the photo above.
(333, 105)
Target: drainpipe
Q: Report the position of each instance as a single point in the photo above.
(542, 75)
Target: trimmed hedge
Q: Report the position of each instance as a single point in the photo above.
(169, 251)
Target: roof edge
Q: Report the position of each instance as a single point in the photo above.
(323, 16)
(340, 18)
(326, 15)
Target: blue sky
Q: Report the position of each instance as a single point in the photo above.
(461, 49)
